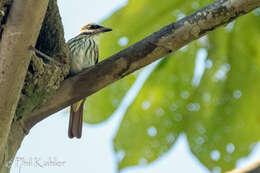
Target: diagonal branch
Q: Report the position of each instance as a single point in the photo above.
(153, 47)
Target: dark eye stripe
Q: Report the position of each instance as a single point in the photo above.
(93, 27)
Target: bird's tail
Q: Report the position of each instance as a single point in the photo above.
(76, 119)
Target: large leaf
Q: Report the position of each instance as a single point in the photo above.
(154, 121)
(137, 19)
(230, 116)
(220, 117)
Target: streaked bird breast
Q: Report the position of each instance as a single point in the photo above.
(83, 51)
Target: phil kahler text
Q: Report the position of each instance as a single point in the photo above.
(36, 162)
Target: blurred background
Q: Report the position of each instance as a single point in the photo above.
(196, 110)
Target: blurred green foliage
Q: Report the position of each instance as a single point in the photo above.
(220, 115)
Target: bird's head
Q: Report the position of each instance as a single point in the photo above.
(93, 29)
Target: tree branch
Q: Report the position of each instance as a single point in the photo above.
(153, 47)
(21, 30)
(252, 168)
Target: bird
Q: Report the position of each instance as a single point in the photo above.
(83, 54)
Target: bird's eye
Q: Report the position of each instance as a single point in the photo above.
(93, 27)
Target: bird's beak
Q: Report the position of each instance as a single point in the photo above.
(105, 29)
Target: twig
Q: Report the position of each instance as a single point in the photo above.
(43, 55)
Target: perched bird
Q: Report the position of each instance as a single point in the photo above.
(83, 54)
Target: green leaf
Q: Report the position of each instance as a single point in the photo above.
(227, 125)
(220, 117)
(154, 121)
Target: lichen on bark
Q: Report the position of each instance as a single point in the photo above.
(44, 76)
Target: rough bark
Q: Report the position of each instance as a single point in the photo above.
(155, 46)
(21, 30)
(43, 77)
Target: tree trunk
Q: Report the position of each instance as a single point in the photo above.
(33, 83)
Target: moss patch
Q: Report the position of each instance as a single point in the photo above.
(44, 76)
